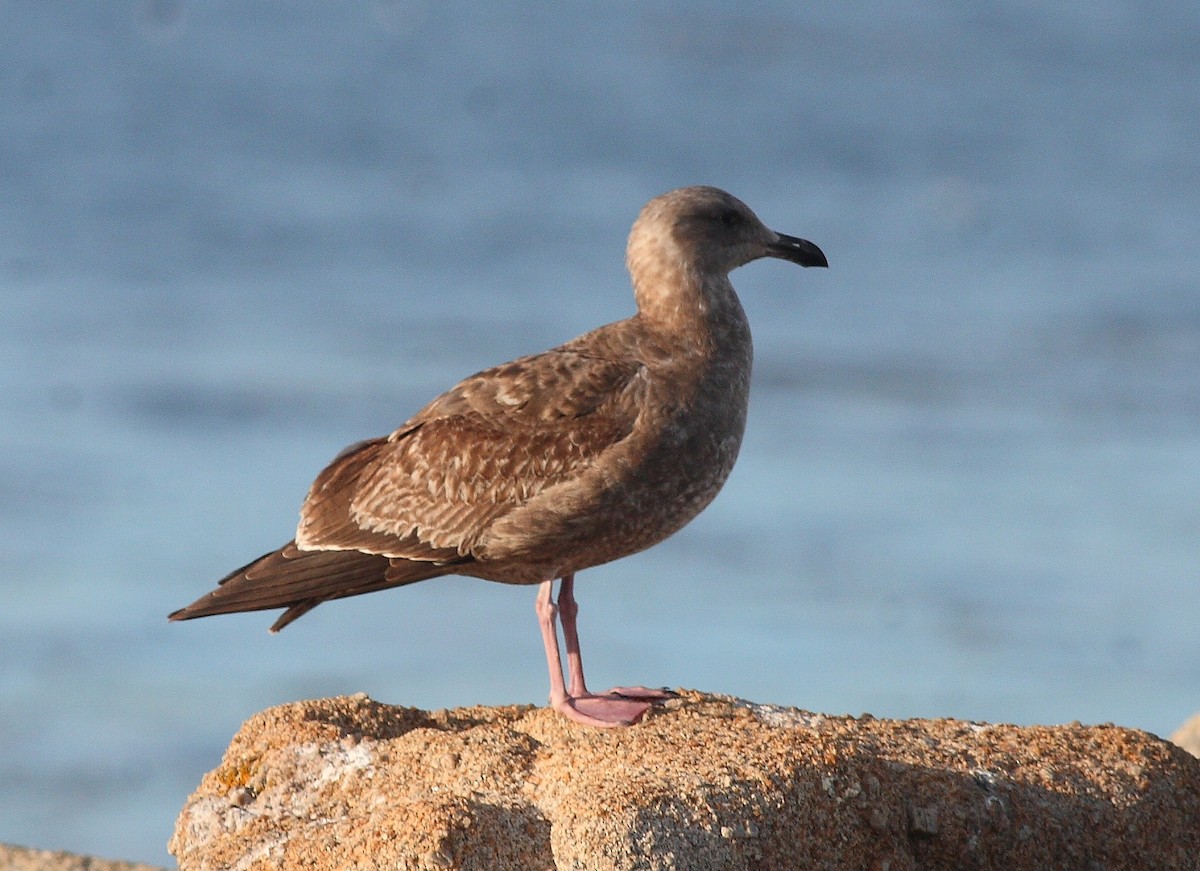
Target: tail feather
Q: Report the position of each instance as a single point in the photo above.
(299, 580)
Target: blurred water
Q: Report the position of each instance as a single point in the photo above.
(234, 238)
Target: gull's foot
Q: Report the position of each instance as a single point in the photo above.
(607, 711)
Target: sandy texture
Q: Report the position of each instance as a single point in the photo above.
(705, 782)
(13, 858)
(1187, 736)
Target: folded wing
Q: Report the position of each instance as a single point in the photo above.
(431, 489)
(396, 510)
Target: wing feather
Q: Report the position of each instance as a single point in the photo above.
(301, 579)
(431, 489)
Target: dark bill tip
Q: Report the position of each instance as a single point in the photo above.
(798, 251)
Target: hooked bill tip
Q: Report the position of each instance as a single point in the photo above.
(799, 251)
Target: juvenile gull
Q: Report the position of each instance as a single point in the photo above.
(553, 463)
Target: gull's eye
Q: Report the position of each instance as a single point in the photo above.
(731, 217)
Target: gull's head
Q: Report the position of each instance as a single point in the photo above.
(705, 231)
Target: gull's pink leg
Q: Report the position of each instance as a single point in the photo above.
(547, 611)
(568, 609)
(591, 710)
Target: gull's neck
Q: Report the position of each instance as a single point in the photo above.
(675, 295)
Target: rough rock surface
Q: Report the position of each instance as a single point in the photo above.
(706, 782)
(1187, 736)
(14, 858)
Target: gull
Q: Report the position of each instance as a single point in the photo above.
(537, 469)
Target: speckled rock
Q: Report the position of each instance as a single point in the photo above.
(14, 858)
(706, 782)
(1187, 736)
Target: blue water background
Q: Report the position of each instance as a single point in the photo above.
(235, 237)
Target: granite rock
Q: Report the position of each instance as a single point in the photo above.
(14, 858)
(706, 782)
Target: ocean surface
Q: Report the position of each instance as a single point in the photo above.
(235, 237)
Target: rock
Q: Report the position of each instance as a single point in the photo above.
(1187, 736)
(706, 782)
(13, 858)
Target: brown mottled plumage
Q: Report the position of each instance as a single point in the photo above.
(553, 463)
